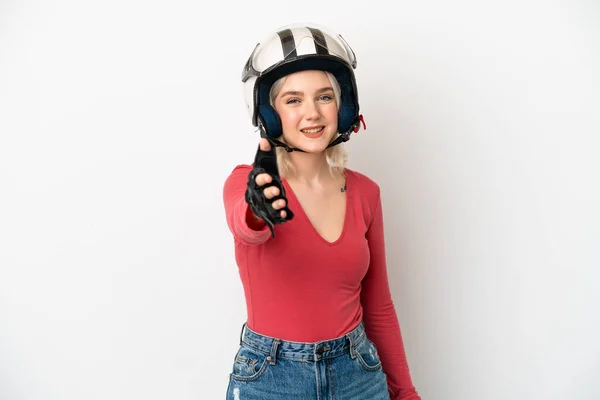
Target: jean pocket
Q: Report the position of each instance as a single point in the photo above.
(249, 364)
(367, 355)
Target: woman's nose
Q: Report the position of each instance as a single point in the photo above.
(312, 110)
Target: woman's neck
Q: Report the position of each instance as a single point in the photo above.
(311, 170)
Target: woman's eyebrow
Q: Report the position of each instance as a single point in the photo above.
(297, 93)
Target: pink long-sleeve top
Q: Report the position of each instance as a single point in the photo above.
(300, 287)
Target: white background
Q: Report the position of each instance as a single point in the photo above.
(120, 121)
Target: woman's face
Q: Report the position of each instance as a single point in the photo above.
(308, 111)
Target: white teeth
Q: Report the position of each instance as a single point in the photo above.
(315, 130)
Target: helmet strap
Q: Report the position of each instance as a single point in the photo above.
(278, 143)
(344, 137)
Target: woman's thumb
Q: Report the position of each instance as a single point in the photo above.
(264, 144)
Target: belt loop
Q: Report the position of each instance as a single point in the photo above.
(273, 356)
(352, 348)
(242, 331)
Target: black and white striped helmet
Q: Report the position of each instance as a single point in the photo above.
(296, 48)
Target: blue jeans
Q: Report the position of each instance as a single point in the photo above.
(345, 368)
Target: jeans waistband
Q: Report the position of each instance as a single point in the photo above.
(303, 351)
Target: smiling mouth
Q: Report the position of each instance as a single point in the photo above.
(313, 131)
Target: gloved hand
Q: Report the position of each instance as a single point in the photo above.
(265, 193)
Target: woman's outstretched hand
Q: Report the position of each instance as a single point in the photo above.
(265, 192)
(264, 178)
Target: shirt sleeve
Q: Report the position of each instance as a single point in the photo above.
(379, 314)
(236, 208)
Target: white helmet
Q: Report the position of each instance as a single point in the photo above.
(296, 48)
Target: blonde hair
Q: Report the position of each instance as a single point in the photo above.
(336, 155)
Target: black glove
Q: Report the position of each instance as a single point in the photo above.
(266, 162)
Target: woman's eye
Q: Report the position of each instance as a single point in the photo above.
(325, 97)
(291, 101)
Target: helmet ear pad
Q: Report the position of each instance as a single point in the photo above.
(271, 120)
(348, 109)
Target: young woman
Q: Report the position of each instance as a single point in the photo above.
(309, 237)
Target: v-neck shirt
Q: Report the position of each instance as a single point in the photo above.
(300, 287)
(294, 204)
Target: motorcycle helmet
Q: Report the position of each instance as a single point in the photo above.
(294, 48)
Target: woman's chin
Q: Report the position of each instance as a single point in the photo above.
(312, 145)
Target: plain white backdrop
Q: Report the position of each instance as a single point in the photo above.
(120, 120)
